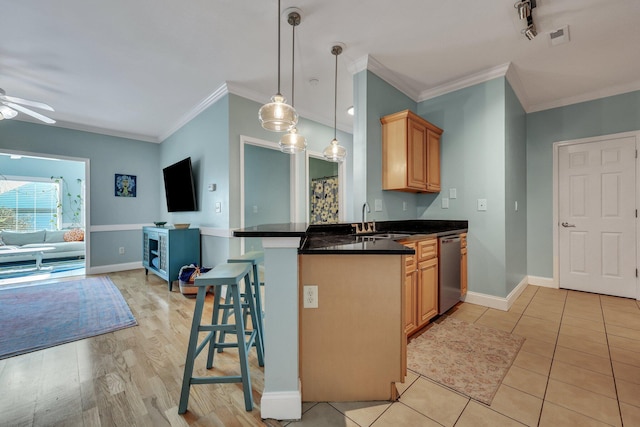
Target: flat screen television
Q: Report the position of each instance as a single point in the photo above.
(179, 187)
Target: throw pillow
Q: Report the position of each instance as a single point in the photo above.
(75, 235)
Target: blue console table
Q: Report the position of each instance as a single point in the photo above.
(166, 250)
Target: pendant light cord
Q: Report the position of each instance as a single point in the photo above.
(293, 58)
(335, 99)
(279, 47)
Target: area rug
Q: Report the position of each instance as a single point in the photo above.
(38, 315)
(468, 358)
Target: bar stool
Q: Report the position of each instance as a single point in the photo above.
(230, 275)
(254, 258)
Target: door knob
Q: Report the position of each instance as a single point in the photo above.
(566, 224)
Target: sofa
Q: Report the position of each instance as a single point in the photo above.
(66, 243)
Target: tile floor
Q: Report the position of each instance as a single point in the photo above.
(579, 366)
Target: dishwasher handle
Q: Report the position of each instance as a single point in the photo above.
(451, 239)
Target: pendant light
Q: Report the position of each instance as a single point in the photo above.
(335, 152)
(278, 116)
(293, 142)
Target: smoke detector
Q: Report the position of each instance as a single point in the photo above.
(559, 36)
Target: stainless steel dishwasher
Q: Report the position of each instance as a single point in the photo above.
(449, 272)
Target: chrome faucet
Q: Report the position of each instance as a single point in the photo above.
(365, 209)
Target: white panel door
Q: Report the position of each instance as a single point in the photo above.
(597, 215)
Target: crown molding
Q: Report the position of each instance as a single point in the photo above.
(590, 96)
(461, 83)
(516, 84)
(199, 108)
(391, 77)
(103, 131)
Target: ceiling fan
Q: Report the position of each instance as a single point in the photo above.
(10, 105)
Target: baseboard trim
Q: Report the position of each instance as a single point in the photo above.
(281, 405)
(103, 269)
(546, 282)
(499, 303)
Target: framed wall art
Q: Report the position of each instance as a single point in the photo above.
(125, 185)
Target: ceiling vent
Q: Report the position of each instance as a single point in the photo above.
(559, 36)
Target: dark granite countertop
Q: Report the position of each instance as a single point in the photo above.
(342, 238)
(295, 229)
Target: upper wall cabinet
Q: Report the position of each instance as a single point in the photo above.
(410, 153)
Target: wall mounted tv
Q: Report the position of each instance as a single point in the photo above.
(179, 187)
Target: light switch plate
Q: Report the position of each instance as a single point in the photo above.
(378, 205)
(218, 207)
(482, 204)
(445, 203)
(453, 193)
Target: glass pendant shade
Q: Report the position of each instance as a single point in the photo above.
(293, 142)
(335, 152)
(278, 116)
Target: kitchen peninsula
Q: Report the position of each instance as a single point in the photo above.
(359, 320)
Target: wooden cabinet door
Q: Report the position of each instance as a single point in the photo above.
(433, 161)
(410, 298)
(417, 156)
(463, 272)
(427, 291)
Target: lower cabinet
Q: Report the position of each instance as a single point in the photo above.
(463, 264)
(421, 284)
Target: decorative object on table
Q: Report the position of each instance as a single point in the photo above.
(324, 200)
(125, 185)
(187, 276)
(41, 315)
(181, 226)
(468, 358)
(160, 223)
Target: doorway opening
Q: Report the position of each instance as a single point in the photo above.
(43, 216)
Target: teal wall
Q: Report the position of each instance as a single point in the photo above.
(515, 189)
(107, 155)
(383, 99)
(615, 114)
(71, 171)
(206, 140)
(472, 153)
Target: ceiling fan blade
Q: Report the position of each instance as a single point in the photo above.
(35, 104)
(30, 112)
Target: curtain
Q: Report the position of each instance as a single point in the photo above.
(324, 200)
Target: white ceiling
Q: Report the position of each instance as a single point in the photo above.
(142, 68)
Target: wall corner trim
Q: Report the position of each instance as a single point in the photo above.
(281, 405)
(112, 268)
(499, 303)
(545, 282)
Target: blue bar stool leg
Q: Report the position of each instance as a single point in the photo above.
(191, 350)
(225, 316)
(254, 319)
(215, 316)
(242, 350)
(258, 297)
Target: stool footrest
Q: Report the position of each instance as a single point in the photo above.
(216, 380)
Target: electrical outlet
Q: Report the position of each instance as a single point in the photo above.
(310, 297)
(121, 250)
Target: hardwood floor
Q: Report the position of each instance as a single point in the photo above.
(130, 377)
